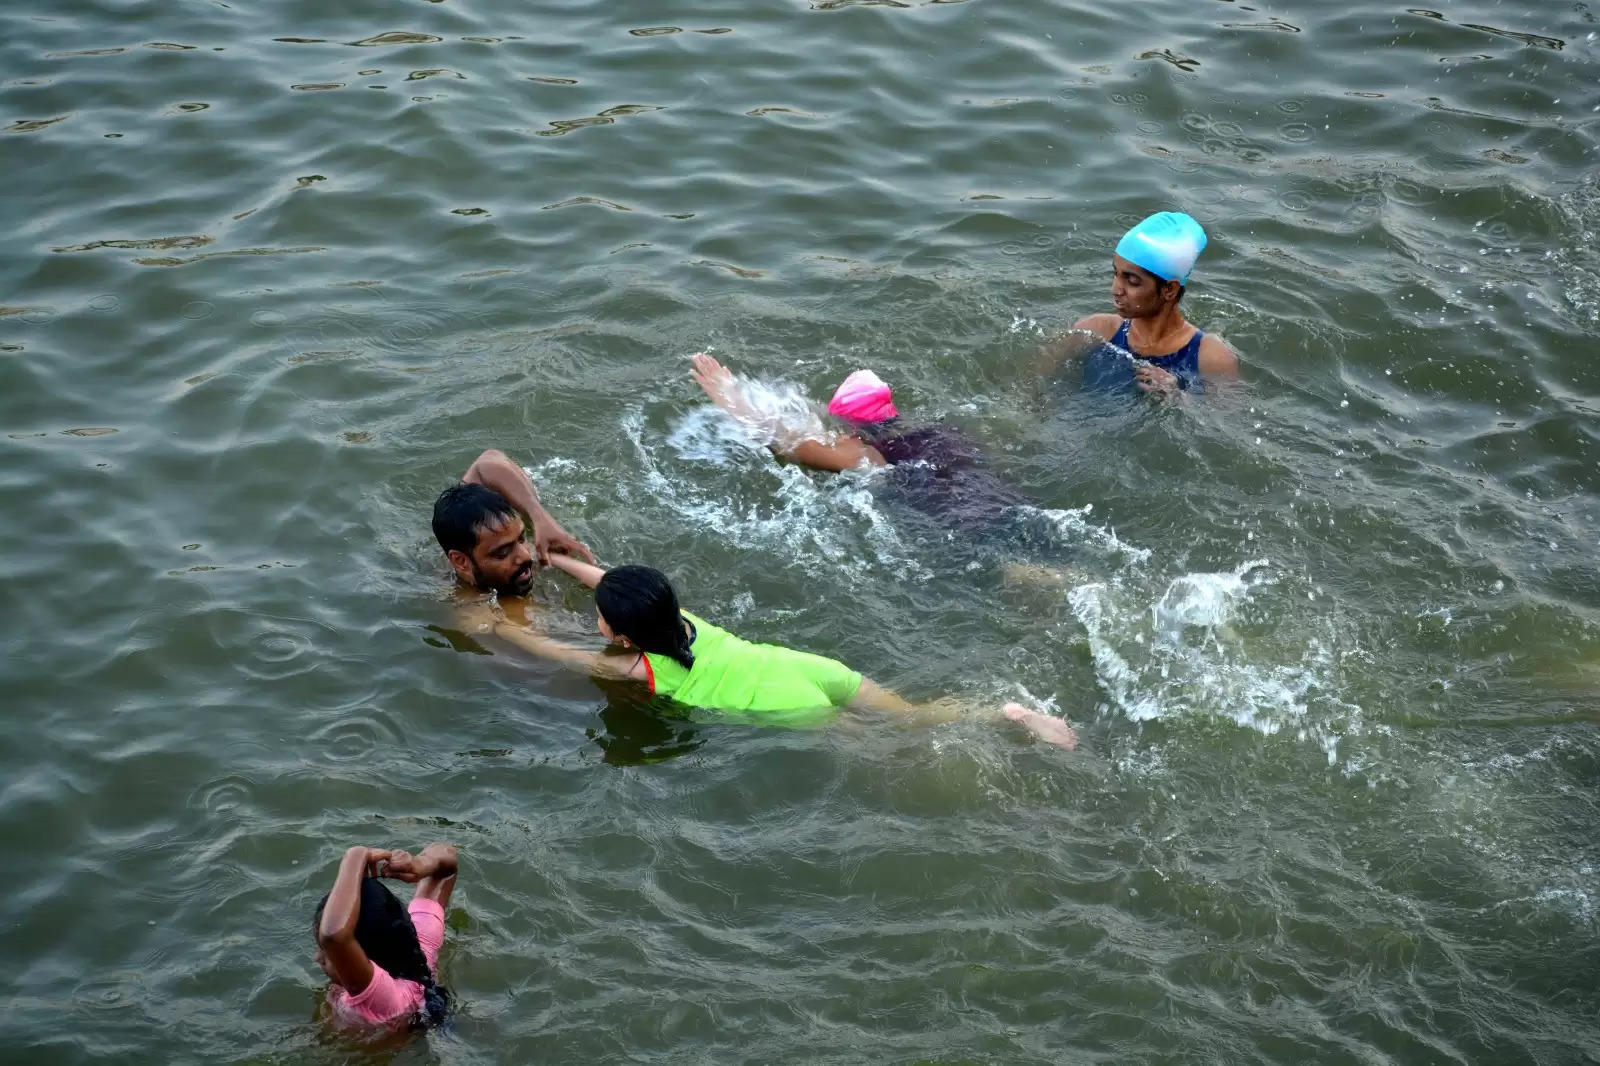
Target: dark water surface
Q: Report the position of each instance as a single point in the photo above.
(274, 274)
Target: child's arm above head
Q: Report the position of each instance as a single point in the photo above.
(585, 572)
(433, 871)
(845, 453)
(336, 933)
(720, 385)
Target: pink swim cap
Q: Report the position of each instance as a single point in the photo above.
(863, 397)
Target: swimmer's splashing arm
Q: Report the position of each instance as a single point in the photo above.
(808, 444)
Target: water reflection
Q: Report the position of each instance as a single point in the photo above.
(635, 733)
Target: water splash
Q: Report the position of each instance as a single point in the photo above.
(1173, 651)
(777, 414)
(1074, 527)
(825, 526)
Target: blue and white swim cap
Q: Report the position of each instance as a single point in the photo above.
(1166, 244)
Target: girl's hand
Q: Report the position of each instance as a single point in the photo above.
(550, 540)
(376, 857)
(716, 379)
(403, 866)
(1154, 379)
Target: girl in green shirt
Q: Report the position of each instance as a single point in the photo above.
(682, 656)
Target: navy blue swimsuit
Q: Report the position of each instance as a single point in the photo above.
(1107, 367)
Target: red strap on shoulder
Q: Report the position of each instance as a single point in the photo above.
(650, 674)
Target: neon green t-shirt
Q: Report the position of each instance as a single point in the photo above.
(731, 674)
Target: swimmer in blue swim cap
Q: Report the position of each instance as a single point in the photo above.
(1149, 271)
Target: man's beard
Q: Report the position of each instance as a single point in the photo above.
(519, 584)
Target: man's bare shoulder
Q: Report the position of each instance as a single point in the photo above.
(1106, 325)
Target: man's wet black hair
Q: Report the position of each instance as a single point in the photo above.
(465, 508)
(638, 602)
(385, 933)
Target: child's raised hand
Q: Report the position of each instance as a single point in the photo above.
(402, 866)
(711, 376)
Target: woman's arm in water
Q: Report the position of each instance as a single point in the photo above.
(1217, 359)
(495, 470)
(336, 933)
(1084, 337)
(722, 387)
(874, 697)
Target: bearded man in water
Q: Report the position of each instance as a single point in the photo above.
(1149, 272)
(482, 525)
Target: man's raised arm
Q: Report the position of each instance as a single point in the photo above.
(495, 470)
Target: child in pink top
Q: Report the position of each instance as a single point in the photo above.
(379, 954)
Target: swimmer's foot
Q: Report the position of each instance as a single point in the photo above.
(1046, 728)
(1034, 576)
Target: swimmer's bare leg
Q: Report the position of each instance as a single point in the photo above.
(1032, 575)
(1046, 727)
(874, 697)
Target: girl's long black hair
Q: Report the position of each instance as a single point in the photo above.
(638, 602)
(385, 933)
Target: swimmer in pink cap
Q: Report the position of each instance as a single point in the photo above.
(941, 471)
(1149, 275)
(863, 397)
(873, 435)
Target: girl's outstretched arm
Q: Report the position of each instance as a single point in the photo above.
(587, 573)
(480, 618)
(336, 933)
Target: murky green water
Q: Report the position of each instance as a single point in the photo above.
(275, 273)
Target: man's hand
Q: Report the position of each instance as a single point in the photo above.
(1154, 379)
(712, 376)
(550, 537)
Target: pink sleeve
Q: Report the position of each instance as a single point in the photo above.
(428, 917)
(384, 998)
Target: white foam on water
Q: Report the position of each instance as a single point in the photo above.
(1169, 650)
(821, 526)
(1075, 528)
(1575, 261)
(775, 413)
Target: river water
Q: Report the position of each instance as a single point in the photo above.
(275, 273)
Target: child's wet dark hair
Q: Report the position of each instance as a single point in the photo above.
(385, 933)
(638, 602)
